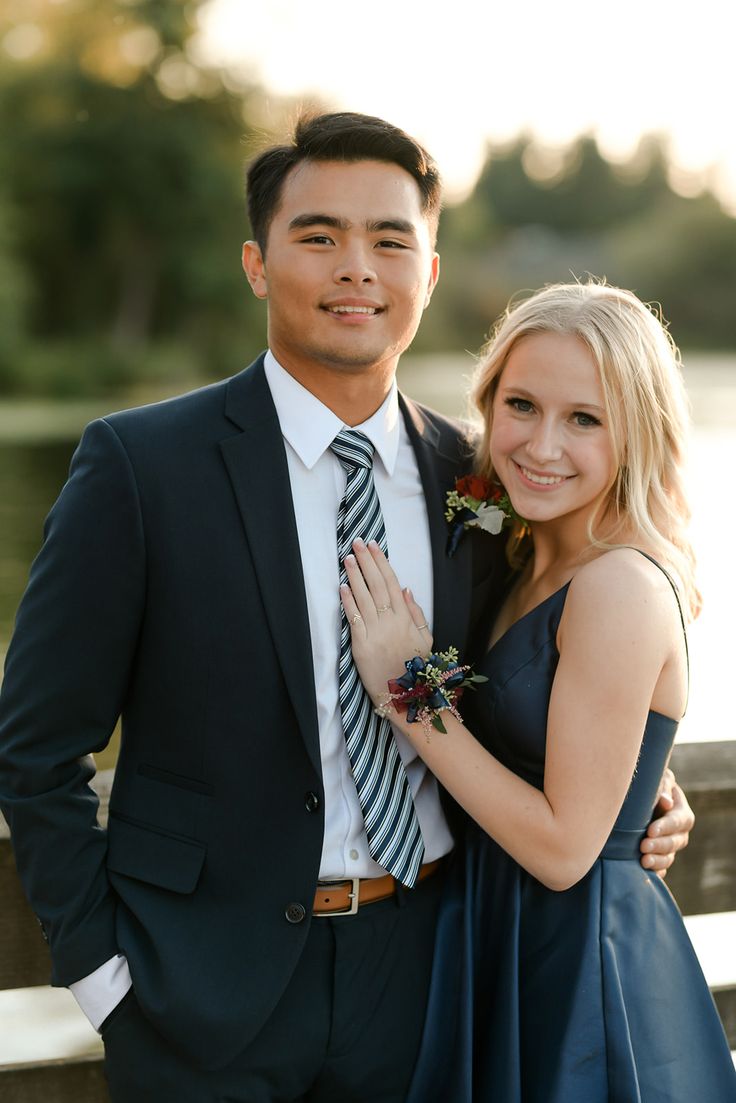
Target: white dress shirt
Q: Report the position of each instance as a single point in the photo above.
(317, 485)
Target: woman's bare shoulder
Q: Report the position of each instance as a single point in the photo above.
(622, 588)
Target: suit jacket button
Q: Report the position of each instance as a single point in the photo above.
(311, 802)
(295, 913)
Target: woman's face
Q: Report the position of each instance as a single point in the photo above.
(550, 441)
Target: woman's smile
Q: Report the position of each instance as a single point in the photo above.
(541, 479)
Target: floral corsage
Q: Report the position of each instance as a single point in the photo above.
(476, 502)
(428, 688)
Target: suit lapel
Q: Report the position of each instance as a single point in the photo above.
(256, 462)
(452, 576)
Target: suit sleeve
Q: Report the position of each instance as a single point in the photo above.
(66, 676)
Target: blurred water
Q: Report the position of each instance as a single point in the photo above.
(710, 713)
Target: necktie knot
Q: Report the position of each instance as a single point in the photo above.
(353, 449)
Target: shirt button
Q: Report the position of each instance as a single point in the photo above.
(295, 913)
(311, 801)
(354, 855)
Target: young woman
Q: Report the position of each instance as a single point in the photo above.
(563, 971)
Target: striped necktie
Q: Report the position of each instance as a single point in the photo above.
(391, 824)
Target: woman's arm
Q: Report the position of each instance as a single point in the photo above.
(617, 631)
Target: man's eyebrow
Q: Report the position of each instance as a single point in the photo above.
(380, 225)
(397, 225)
(316, 218)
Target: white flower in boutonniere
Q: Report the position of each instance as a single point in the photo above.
(476, 502)
(490, 519)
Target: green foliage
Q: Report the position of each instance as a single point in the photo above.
(684, 256)
(73, 367)
(14, 295)
(131, 209)
(129, 197)
(520, 229)
(579, 192)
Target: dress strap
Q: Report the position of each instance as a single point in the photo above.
(673, 584)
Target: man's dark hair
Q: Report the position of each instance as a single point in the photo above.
(341, 136)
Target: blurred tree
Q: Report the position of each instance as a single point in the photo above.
(684, 256)
(537, 216)
(570, 191)
(14, 297)
(124, 164)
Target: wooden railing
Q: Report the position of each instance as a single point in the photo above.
(703, 879)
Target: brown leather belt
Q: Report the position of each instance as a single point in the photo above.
(346, 896)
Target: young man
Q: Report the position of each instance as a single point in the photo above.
(189, 582)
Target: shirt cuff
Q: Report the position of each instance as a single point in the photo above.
(100, 992)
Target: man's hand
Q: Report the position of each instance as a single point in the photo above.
(670, 828)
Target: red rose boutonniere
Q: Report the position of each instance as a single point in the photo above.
(476, 502)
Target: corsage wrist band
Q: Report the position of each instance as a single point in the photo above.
(428, 688)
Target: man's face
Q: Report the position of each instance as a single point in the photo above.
(349, 267)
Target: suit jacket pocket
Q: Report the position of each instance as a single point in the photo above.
(163, 801)
(145, 854)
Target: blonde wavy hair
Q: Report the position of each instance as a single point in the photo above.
(646, 407)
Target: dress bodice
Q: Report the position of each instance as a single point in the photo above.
(509, 714)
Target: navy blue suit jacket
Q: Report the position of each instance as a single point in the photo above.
(169, 592)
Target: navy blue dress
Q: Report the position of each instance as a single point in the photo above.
(592, 995)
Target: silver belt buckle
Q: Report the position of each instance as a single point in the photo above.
(353, 895)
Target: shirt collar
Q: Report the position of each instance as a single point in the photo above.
(310, 427)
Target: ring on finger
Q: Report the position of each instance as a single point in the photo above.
(356, 618)
(421, 626)
(382, 609)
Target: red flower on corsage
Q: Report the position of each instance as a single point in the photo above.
(428, 687)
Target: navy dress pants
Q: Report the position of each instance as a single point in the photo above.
(346, 1030)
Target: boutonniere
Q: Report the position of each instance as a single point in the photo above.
(476, 502)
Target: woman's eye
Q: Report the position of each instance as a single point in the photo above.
(523, 405)
(585, 421)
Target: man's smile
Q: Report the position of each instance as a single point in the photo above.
(353, 309)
